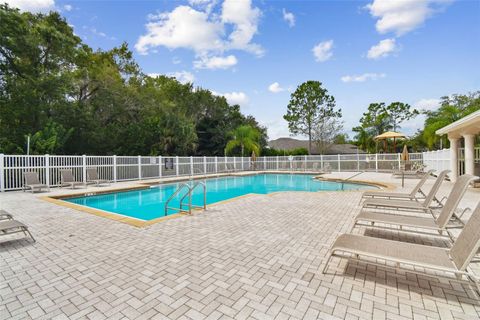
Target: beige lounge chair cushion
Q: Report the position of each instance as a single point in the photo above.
(382, 194)
(415, 254)
(397, 219)
(387, 203)
(11, 224)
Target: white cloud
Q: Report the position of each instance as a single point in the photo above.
(215, 62)
(402, 16)
(184, 27)
(68, 7)
(183, 76)
(239, 98)
(427, 104)
(32, 5)
(323, 51)
(383, 49)
(363, 77)
(176, 60)
(289, 18)
(209, 35)
(275, 88)
(244, 19)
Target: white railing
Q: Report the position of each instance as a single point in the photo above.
(437, 160)
(440, 159)
(123, 168)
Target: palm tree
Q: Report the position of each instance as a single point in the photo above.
(245, 137)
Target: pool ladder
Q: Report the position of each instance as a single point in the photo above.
(190, 186)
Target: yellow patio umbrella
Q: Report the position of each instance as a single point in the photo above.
(405, 156)
(390, 135)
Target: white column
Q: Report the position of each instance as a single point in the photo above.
(453, 158)
(469, 154)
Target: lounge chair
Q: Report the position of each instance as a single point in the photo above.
(438, 224)
(32, 182)
(68, 180)
(455, 260)
(4, 215)
(415, 205)
(399, 195)
(92, 177)
(10, 226)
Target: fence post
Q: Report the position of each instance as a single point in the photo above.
(204, 165)
(305, 163)
(338, 161)
(47, 170)
(243, 167)
(264, 163)
(160, 166)
(191, 166)
(115, 168)
(84, 168)
(234, 163)
(216, 164)
(376, 162)
(321, 161)
(399, 160)
(358, 162)
(2, 173)
(139, 167)
(176, 166)
(277, 164)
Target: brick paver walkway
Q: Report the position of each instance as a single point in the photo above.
(259, 257)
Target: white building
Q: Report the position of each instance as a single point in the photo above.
(467, 129)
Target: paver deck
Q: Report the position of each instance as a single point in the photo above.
(258, 257)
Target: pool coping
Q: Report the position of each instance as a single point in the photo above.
(58, 199)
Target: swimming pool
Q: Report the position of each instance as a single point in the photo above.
(149, 204)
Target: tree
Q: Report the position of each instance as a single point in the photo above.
(71, 99)
(399, 112)
(311, 107)
(325, 131)
(451, 109)
(246, 137)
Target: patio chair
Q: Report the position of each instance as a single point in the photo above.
(455, 260)
(92, 176)
(415, 205)
(4, 215)
(32, 182)
(68, 180)
(399, 195)
(438, 224)
(10, 226)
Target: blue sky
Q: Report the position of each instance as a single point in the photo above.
(256, 52)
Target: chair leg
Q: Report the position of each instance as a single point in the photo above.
(326, 263)
(31, 236)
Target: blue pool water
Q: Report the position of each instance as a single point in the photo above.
(148, 204)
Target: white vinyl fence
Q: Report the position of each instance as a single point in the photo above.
(123, 168)
(437, 160)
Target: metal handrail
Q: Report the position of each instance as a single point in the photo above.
(189, 194)
(181, 187)
(353, 176)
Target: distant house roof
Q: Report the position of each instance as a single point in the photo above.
(290, 144)
(467, 125)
